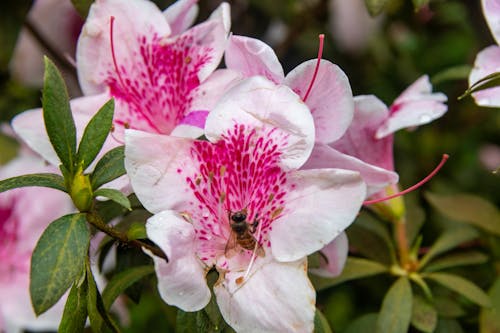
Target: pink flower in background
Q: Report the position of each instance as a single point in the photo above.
(246, 174)
(59, 24)
(488, 60)
(24, 214)
(158, 72)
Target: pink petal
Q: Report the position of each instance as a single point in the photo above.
(137, 23)
(487, 62)
(181, 281)
(258, 103)
(376, 178)
(359, 141)
(154, 163)
(336, 256)
(222, 14)
(491, 11)
(192, 126)
(320, 205)
(30, 126)
(252, 57)
(181, 15)
(330, 99)
(277, 297)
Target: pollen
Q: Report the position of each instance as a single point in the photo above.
(239, 280)
(187, 60)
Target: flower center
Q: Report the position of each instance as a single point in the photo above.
(239, 187)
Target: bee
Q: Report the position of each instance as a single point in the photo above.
(242, 232)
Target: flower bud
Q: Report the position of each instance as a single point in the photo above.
(81, 191)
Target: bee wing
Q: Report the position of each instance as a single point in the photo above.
(231, 245)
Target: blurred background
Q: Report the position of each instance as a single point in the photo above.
(381, 55)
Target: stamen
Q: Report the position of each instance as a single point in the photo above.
(320, 54)
(111, 39)
(414, 187)
(254, 254)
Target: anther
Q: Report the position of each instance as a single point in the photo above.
(320, 54)
(414, 187)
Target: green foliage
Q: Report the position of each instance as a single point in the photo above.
(75, 310)
(468, 208)
(488, 318)
(39, 179)
(355, 268)
(460, 286)
(109, 167)
(321, 323)
(365, 323)
(455, 260)
(58, 260)
(448, 241)
(82, 7)
(424, 316)
(114, 195)
(95, 134)
(58, 117)
(396, 311)
(376, 7)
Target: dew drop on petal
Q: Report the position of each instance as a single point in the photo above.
(425, 118)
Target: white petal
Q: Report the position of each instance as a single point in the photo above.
(277, 297)
(330, 98)
(487, 62)
(336, 255)
(181, 281)
(319, 206)
(491, 11)
(222, 14)
(259, 103)
(251, 56)
(153, 162)
(181, 15)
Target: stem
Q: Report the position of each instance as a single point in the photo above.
(402, 242)
(95, 219)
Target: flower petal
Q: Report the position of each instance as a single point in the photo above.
(259, 103)
(277, 297)
(181, 15)
(181, 281)
(491, 11)
(376, 178)
(336, 255)
(222, 14)
(359, 141)
(252, 57)
(319, 206)
(487, 62)
(136, 23)
(30, 126)
(330, 99)
(153, 163)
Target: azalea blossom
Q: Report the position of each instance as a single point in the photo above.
(259, 135)
(159, 72)
(24, 214)
(488, 60)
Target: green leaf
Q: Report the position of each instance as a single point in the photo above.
(447, 307)
(188, 322)
(488, 317)
(365, 323)
(460, 286)
(468, 208)
(75, 310)
(95, 306)
(419, 3)
(417, 279)
(37, 179)
(424, 315)
(456, 259)
(489, 81)
(122, 281)
(95, 134)
(126, 258)
(448, 326)
(114, 195)
(355, 268)
(460, 72)
(395, 315)
(109, 167)
(9, 148)
(57, 115)
(82, 7)
(447, 241)
(375, 7)
(321, 323)
(58, 260)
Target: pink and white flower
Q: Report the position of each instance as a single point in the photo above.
(488, 60)
(259, 135)
(24, 215)
(328, 95)
(158, 72)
